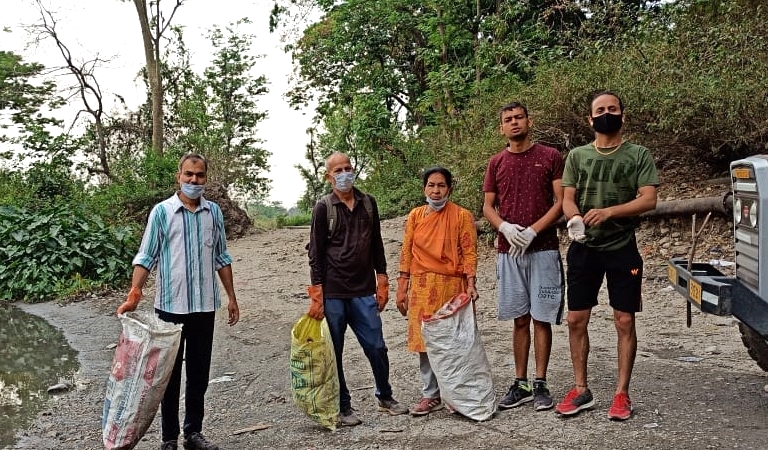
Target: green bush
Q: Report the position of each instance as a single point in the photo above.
(57, 251)
(136, 189)
(126, 203)
(293, 220)
(13, 189)
(396, 182)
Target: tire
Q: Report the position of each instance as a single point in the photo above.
(756, 345)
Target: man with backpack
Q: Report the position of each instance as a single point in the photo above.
(349, 282)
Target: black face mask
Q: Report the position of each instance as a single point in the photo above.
(607, 123)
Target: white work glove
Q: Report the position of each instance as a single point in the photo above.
(524, 239)
(510, 231)
(576, 229)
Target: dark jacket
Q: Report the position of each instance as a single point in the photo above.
(346, 264)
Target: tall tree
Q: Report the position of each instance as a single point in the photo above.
(24, 95)
(86, 88)
(153, 25)
(21, 98)
(218, 114)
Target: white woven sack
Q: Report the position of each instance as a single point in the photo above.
(458, 359)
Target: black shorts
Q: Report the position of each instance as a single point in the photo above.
(622, 268)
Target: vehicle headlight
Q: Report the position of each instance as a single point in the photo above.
(737, 211)
(753, 214)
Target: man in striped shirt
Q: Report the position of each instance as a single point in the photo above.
(185, 240)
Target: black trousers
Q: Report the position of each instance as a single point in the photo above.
(195, 348)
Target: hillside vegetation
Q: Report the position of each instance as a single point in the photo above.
(396, 84)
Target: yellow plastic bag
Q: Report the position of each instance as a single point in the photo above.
(314, 381)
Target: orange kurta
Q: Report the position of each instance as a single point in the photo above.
(440, 252)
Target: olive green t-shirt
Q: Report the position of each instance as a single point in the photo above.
(607, 180)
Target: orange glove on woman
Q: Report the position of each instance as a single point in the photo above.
(132, 302)
(382, 290)
(316, 310)
(401, 298)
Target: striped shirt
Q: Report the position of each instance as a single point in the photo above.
(188, 249)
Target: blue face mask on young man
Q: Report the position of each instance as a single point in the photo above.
(344, 181)
(437, 205)
(193, 191)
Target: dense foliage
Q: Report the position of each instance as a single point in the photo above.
(398, 85)
(58, 251)
(73, 205)
(404, 85)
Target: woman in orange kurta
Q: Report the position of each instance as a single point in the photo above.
(438, 260)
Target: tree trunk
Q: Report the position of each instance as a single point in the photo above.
(674, 208)
(87, 87)
(722, 205)
(151, 52)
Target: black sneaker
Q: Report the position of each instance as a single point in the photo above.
(196, 441)
(169, 445)
(518, 394)
(541, 398)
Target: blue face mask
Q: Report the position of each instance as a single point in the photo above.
(193, 191)
(344, 181)
(437, 205)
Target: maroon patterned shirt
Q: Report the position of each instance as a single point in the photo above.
(524, 193)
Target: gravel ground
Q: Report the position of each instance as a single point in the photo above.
(715, 400)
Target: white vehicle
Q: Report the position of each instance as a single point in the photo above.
(745, 294)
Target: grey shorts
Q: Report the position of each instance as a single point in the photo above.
(532, 283)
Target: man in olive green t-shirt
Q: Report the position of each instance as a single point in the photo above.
(607, 185)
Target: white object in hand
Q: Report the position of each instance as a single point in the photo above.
(576, 229)
(510, 231)
(524, 239)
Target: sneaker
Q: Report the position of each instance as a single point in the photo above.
(169, 445)
(392, 407)
(349, 418)
(426, 406)
(575, 402)
(541, 398)
(621, 408)
(196, 441)
(518, 394)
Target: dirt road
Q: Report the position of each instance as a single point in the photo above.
(692, 388)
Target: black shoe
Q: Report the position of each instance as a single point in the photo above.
(196, 441)
(169, 445)
(518, 394)
(541, 398)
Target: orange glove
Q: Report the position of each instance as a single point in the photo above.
(382, 290)
(401, 298)
(316, 310)
(132, 302)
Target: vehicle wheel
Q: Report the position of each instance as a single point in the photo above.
(756, 345)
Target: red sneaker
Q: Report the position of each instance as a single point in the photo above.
(575, 402)
(426, 406)
(621, 408)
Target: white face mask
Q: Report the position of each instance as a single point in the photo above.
(437, 205)
(193, 191)
(344, 181)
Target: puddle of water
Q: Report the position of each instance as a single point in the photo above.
(34, 356)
